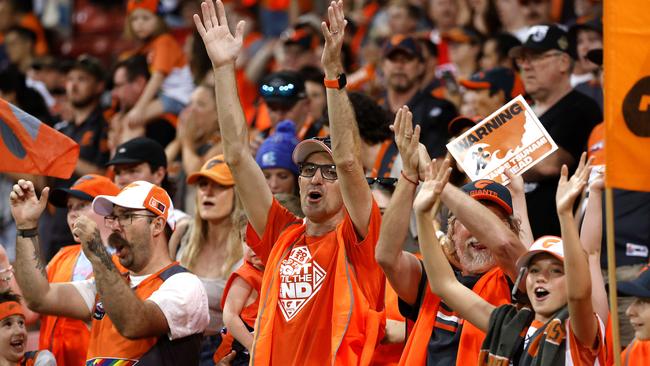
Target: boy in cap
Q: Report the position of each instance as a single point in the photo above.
(637, 352)
(157, 311)
(68, 338)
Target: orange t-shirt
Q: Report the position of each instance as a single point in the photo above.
(636, 354)
(164, 54)
(596, 144)
(307, 276)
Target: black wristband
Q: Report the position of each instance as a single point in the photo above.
(27, 233)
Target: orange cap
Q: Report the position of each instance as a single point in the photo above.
(139, 195)
(216, 170)
(151, 5)
(85, 188)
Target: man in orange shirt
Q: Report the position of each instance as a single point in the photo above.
(322, 294)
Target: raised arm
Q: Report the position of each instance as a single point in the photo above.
(591, 237)
(40, 296)
(441, 277)
(486, 227)
(402, 268)
(576, 264)
(519, 208)
(346, 142)
(132, 317)
(223, 49)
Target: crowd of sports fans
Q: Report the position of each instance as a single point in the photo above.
(267, 182)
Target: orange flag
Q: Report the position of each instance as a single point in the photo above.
(627, 94)
(30, 146)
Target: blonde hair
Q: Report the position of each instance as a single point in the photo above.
(161, 28)
(198, 238)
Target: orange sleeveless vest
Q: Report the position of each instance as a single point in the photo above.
(354, 334)
(107, 344)
(492, 287)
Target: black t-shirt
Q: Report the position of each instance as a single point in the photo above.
(631, 228)
(569, 122)
(432, 114)
(445, 335)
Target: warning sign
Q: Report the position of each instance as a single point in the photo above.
(511, 138)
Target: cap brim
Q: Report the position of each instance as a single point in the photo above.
(224, 181)
(103, 205)
(308, 147)
(524, 260)
(59, 196)
(457, 124)
(630, 288)
(403, 50)
(497, 200)
(475, 85)
(518, 51)
(123, 161)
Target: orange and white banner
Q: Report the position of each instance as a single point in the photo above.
(627, 94)
(511, 138)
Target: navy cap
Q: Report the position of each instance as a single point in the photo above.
(542, 38)
(495, 79)
(404, 44)
(640, 287)
(489, 190)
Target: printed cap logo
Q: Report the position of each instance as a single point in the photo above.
(550, 242)
(538, 32)
(480, 184)
(269, 158)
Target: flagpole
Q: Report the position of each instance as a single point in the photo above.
(611, 275)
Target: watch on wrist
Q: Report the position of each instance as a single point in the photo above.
(339, 83)
(27, 233)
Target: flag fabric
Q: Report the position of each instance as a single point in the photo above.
(627, 94)
(30, 146)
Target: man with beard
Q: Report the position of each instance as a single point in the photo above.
(403, 69)
(482, 243)
(152, 315)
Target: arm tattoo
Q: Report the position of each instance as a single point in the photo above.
(37, 256)
(95, 245)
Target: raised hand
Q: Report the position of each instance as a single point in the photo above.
(407, 139)
(436, 178)
(568, 190)
(516, 186)
(334, 34)
(26, 208)
(222, 47)
(91, 242)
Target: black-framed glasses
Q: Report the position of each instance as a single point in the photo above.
(327, 171)
(122, 220)
(387, 182)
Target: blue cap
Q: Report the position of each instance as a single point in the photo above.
(276, 150)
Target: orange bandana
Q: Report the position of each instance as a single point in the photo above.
(10, 308)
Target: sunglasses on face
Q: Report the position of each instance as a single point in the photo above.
(385, 182)
(327, 171)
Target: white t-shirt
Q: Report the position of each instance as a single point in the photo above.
(181, 298)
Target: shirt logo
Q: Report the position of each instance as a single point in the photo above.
(99, 312)
(300, 280)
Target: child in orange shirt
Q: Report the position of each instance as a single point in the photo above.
(239, 303)
(170, 85)
(638, 351)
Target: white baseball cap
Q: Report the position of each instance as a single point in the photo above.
(546, 244)
(139, 195)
